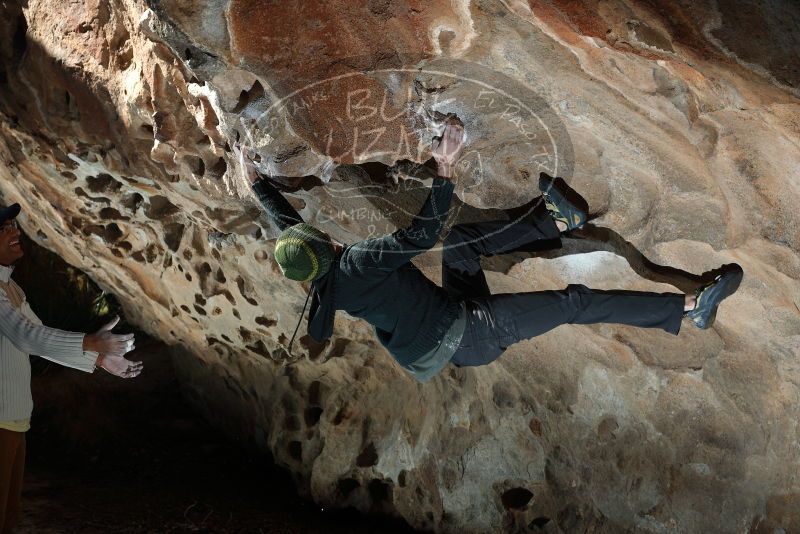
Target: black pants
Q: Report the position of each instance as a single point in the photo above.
(494, 322)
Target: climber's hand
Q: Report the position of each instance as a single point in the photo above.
(447, 149)
(247, 166)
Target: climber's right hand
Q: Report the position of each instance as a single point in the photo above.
(447, 149)
(247, 165)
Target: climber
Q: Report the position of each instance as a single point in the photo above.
(425, 326)
(22, 333)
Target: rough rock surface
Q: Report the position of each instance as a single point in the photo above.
(677, 121)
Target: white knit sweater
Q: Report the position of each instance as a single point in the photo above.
(21, 334)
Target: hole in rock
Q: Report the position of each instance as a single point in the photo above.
(289, 153)
(401, 478)
(341, 416)
(245, 334)
(314, 348)
(152, 252)
(346, 486)
(516, 498)
(111, 214)
(536, 427)
(173, 233)
(314, 392)
(246, 290)
(263, 321)
(81, 193)
(368, 457)
(379, 490)
(502, 395)
(255, 93)
(539, 522)
(291, 423)
(204, 270)
(200, 310)
(72, 112)
(259, 348)
(196, 165)
(132, 201)
(236, 313)
(312, 415)
(219, 169)
(296, 450)
(198, 298)
(339, 346)
(608, 425)
(125, 58)
(160, 207)
(112, 233)
(102, 183)
(95, 229)
(445, 38)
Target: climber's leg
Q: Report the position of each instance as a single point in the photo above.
(498, 321)
(462, 276)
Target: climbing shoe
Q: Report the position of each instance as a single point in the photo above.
(710, 295)
(556, 193)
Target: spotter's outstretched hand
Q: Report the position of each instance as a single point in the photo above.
(107, 343)
(119, 366)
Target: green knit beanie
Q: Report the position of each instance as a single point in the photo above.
(303, 252)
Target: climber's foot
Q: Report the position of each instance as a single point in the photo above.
(709, 296)
(558, 198)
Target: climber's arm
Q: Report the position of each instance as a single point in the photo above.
(280, 211)
(393, 250)
(278, 208)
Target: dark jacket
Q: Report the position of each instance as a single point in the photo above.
(375, 280)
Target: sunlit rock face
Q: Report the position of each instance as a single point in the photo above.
(678, 123)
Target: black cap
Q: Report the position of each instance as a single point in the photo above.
(9, 213)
